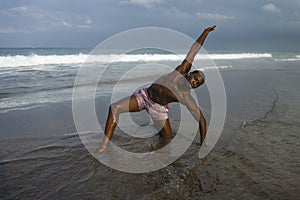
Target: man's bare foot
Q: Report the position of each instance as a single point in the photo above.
(102, 149)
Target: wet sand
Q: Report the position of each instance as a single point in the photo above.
(42, 157)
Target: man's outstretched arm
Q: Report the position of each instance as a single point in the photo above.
(186, 65)
(190, 103)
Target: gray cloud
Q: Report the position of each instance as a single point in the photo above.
(257, 24)
(213, 16)
(18, 9)
(144, 3)
(11, 30)
(270, 8)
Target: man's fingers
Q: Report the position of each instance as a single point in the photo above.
(211, 28)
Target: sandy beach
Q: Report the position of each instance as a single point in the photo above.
(256, 157)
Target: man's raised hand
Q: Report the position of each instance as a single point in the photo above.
(211, 28)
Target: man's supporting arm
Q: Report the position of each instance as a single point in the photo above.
(186, 65)
(197, 114)
(202, 128)
(202, 125)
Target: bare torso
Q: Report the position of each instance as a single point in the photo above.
(169, 88)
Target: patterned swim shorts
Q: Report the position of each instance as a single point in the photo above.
(156, 111)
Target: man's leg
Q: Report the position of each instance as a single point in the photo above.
(164, 128)
(165, 132)
(128, 104)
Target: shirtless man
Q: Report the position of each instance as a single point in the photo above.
(172, 87)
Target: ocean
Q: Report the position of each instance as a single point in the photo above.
(42, 156)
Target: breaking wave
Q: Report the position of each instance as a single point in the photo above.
(34, 60)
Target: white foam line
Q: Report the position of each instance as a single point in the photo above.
(34, 60)
(214, 67)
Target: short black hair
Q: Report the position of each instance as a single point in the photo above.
(201, 74)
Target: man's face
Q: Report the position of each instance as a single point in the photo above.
(195, 79)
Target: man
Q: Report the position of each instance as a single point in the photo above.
(173, 87)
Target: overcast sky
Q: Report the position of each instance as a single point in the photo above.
(257, 25)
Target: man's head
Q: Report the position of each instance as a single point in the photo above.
(195, 78)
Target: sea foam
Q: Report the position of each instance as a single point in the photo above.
(34, 60)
